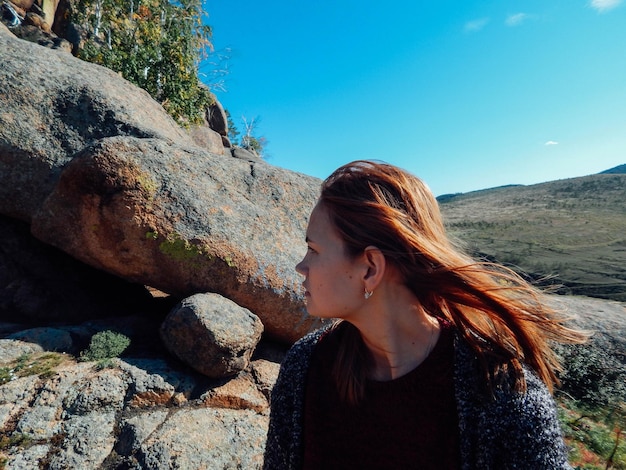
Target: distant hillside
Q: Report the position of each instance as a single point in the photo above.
(573, 229)
(620, 169)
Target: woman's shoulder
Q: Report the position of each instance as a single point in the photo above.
(524, 424)
(308, 341)
(300, 352)
(289, 384)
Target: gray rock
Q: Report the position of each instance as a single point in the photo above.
(153, 383)
(124, 416)
(136, 429)
(212, 334)
(104, 391)
(13, 395)
(27, 458)
(50, 339)
(244, 154)
(217, 119)
(12, 349)
(40, 422)
(207, 138)
(44, 417)
(88, 440)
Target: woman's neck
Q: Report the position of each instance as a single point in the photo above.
(398, 333)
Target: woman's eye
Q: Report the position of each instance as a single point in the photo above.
(310, 250)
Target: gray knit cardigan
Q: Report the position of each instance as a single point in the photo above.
(509, 431)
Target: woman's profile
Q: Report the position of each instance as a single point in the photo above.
(436, 360)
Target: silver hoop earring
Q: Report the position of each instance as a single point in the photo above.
(367, 294)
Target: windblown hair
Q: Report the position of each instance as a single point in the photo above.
(503, 318)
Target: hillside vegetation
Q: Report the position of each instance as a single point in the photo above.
(572, 229)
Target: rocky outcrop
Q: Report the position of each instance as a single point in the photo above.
(142, 411)
(95, 169)
(80, 147)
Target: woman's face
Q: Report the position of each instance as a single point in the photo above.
(333, 281)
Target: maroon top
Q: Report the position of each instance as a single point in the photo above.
(409, 422)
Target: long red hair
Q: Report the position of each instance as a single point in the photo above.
(503, 318)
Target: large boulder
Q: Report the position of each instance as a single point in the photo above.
(185, 221)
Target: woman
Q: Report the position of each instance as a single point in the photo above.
(436, 361)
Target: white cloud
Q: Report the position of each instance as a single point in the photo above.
(551, 142)
(604, 5)
(516, 19)
(475, 25)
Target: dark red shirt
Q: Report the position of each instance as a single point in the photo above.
(409, 422)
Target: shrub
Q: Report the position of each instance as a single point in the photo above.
(592, 376)
(105, 345)
(594, 381)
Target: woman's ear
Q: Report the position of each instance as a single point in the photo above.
(375, 264)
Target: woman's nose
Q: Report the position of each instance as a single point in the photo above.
(300, 268)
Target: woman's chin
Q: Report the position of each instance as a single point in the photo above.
(317, 314)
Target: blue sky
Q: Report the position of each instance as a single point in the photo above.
(467, 95)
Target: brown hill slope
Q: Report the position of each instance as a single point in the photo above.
(573, 229)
